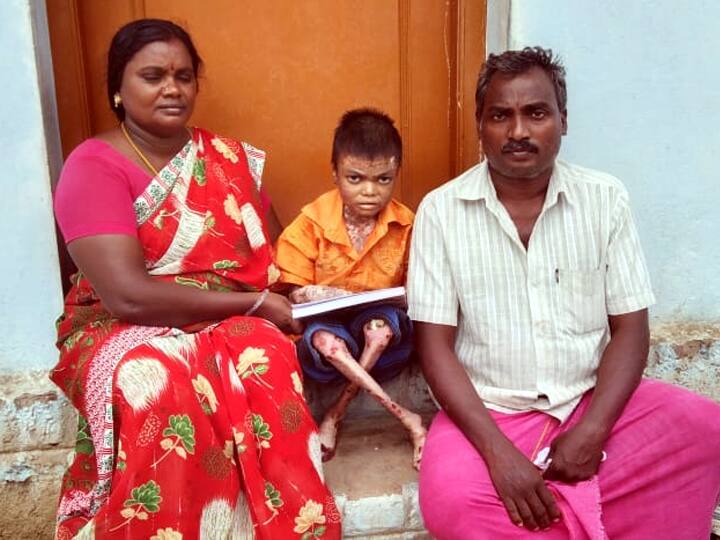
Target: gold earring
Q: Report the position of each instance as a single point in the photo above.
(117, 100)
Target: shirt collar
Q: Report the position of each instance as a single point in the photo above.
(558, 184)
(327, 212)
(475, 185)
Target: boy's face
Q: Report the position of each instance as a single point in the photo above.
(365, 185)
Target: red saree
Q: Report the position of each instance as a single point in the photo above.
(186, 434)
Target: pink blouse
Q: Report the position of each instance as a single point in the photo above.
(96, 191)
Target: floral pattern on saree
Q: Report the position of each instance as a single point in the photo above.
(184, 434)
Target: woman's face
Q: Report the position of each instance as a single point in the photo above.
(158, 88)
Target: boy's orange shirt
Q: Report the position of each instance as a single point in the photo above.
(315, 248)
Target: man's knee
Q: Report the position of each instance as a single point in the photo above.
(451, 510)
(443, 510)
(694, 416)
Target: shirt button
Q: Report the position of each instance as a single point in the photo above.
(543, 327)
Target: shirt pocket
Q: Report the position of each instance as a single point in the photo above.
(582, 299)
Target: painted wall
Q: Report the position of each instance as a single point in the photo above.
(644, 88)
(30, 293)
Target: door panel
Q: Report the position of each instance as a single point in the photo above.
(280, 73)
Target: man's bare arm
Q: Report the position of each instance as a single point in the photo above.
(519, 484)
(576, 453)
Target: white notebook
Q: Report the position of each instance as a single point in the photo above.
(394, 295)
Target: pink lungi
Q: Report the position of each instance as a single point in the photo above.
(661, 479)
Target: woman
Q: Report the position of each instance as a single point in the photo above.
(192, 420)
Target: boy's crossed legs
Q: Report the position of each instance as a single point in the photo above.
(332, 342)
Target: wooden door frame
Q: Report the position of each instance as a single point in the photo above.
(70, 72)
(463, 18)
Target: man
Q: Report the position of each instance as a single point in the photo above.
(529, 292)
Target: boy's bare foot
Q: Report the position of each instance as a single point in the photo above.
(417, 436)
(328, 436)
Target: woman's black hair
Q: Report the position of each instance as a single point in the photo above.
(130, 39)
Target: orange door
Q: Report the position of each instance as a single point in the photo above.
(279, 74)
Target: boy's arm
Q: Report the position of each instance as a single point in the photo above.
(296, 251)
(296, 254)
(311, 293)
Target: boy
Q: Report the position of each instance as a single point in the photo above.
(351, 239)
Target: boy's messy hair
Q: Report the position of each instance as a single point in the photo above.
(368, 133)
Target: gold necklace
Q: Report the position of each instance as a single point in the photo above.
(139, 153)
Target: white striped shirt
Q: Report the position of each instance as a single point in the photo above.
(531, 324)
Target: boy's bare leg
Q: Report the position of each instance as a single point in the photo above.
(335, 351)
(377, 337)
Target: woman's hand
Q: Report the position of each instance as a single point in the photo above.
(278, 310)
(311, 293)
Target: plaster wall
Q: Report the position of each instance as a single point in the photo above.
(644, 83)
(30, 291)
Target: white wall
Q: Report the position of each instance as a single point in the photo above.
(30, 293)
(644, 105)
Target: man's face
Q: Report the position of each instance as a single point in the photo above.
(521, 125)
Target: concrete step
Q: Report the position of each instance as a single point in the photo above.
(371, 474)
(374, 483)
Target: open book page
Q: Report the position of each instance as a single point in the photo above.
(319, 307)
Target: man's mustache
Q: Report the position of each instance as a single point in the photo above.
(519, 146)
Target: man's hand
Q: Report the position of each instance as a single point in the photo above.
(575, 455)
(522, 490)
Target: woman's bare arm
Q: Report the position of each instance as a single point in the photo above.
(115, 266)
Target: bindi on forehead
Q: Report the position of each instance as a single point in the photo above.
(167, 54)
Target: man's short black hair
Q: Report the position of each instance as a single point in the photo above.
(367, 133)
(517, 62)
